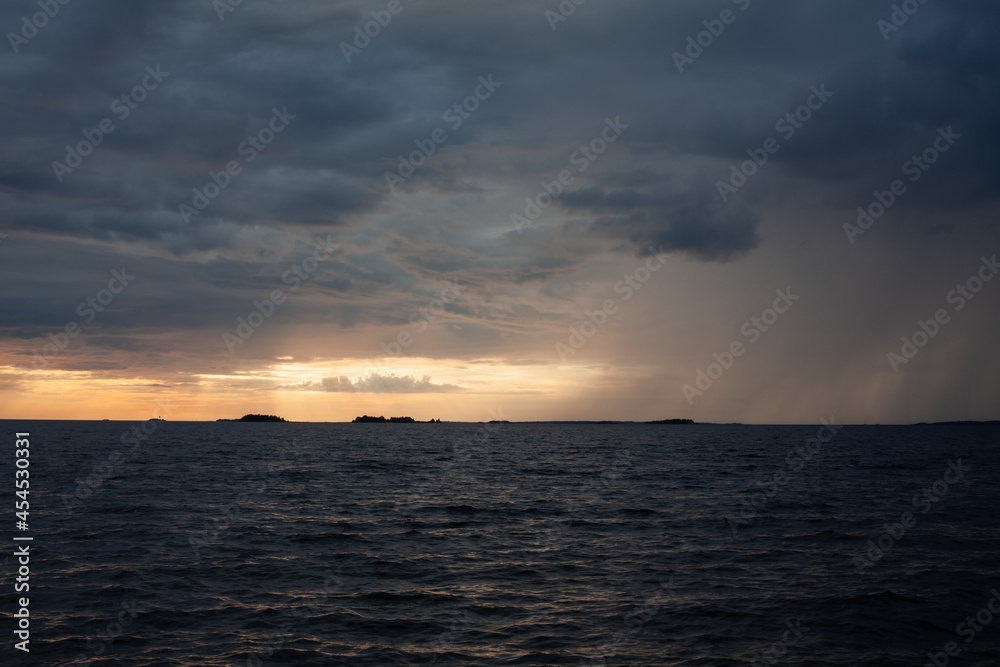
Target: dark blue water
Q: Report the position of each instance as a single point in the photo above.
(507, 544)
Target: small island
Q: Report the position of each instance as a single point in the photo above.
(366, 419)
(255, 418)
(673, 421)
(958, 423)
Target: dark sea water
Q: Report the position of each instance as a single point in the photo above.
(506, 544)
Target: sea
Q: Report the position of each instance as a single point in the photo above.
(594, 544)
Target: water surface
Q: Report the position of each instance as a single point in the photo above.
(505, 544)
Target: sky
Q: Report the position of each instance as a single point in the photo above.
(630, 210)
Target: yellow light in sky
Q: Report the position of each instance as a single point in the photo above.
(459, 391)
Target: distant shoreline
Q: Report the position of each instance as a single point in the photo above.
(993, 422)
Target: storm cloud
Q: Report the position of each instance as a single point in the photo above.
(208, 146)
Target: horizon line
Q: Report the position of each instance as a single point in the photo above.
(507, 421)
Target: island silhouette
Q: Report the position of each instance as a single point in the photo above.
(255, 418)
(367, 419)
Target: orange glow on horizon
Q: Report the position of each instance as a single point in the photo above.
(458, 391)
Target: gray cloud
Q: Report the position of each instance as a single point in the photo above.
(376, 384)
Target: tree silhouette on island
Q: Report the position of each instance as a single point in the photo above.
(255, 418)
(366, 419)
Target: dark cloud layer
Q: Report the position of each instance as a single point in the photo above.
(352, 120)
